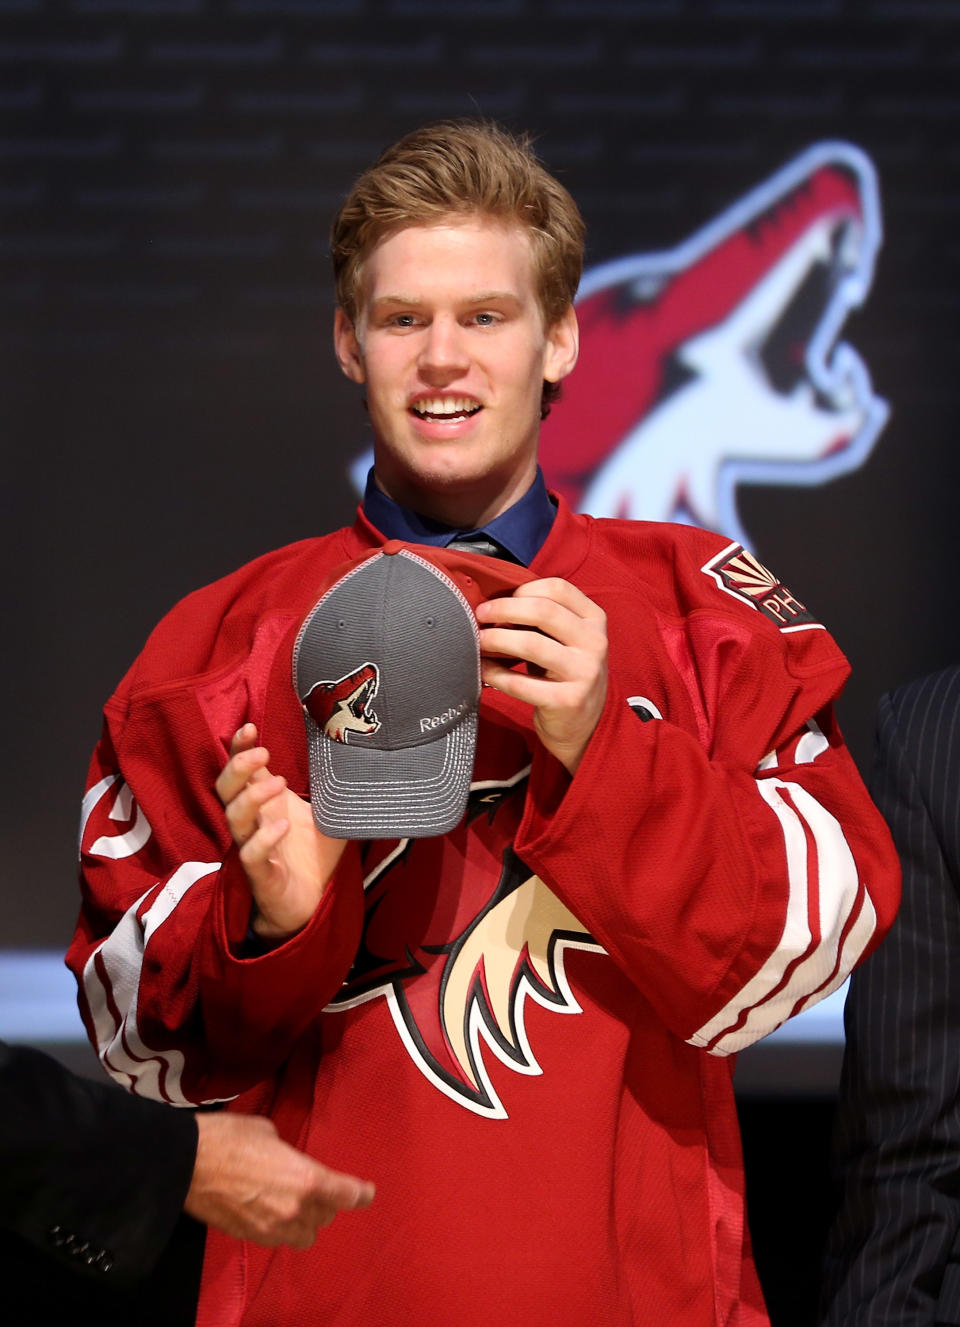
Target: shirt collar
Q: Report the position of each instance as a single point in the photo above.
(522, 529)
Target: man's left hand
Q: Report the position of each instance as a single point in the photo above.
(567, 646)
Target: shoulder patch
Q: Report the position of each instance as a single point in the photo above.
(740, 574)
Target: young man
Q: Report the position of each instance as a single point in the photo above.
(522, 1029)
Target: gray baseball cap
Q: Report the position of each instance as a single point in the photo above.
(387, 669)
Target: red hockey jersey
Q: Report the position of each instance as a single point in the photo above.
(521, 1031)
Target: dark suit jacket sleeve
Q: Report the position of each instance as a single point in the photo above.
(94, 1176)
(893, 1255)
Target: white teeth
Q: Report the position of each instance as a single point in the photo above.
(446, 405)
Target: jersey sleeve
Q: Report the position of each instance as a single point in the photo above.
(175, 1005)
(735, 872)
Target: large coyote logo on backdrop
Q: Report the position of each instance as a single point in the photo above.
(717, 363)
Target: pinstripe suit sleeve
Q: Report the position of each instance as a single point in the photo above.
(894, 1255)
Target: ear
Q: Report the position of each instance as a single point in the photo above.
(563, 346)
(347, 347)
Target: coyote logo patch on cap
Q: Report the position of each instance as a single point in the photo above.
(342, 707)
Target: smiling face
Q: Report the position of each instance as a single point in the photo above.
(451, 345)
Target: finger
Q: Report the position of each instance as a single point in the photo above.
(245, 812)
(300, 1237)
(343, 1192)
(560, 592)
(299, 1234)
(255, 854)
(302, 1233)
(239, 770)
(557, 591)
(545, 615)
(549, 694)
(532, 690)
(334, 1193)
(532, 647)
(244, 738)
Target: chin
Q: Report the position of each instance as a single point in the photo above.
(444, 466)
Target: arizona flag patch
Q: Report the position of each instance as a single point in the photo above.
(740, 574)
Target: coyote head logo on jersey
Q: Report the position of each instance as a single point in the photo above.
(341, 707)
(717, 363)
(459, 1004)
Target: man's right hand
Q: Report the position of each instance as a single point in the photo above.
(287, 860)
(250, 1184)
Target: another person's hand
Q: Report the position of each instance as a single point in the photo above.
(250, 1184)
(287, 860)
(568, 649)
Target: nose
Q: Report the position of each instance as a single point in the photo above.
(443, 354)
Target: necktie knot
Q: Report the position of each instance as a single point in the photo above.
(481, 543)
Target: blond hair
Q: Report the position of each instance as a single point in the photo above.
(458, 168)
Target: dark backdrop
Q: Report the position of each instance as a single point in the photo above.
(170, 402)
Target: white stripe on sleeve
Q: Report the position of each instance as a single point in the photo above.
(111, 981)
(115, 846)
(802, 969)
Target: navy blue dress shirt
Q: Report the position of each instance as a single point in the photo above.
(521, 530)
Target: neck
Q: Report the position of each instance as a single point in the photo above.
(461, 509)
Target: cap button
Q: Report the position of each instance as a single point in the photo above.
(393, 546)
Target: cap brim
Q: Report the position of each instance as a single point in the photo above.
(358, 793)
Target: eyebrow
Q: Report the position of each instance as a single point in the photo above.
(477, 297)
